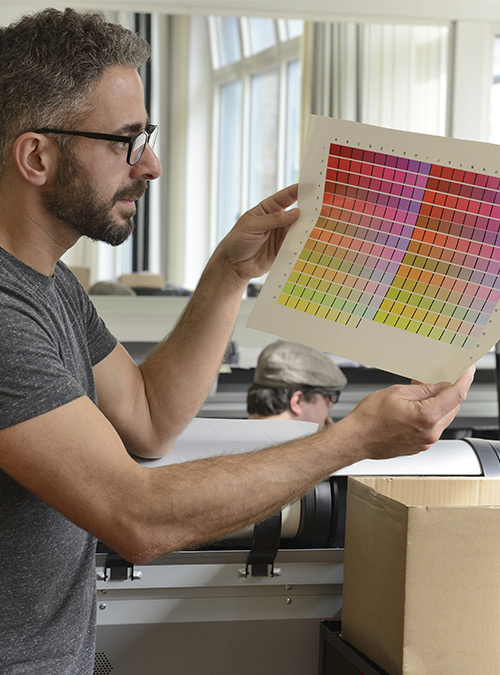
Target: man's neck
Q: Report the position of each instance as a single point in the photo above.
(28, 233)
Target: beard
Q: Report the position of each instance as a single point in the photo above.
(72, 198)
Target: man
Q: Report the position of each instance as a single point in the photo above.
(294, 382)
(75, 154)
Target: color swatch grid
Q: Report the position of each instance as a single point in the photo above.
(406, 243)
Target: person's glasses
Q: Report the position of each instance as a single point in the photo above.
(136, 143)
(332, 395)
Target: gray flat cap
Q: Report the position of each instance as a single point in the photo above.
(285, 363)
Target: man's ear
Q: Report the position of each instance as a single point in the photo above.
(34, 156)
(296, 400)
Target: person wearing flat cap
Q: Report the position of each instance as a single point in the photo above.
(294, 382)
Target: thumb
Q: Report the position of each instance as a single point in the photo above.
(420, 391)
(461, 386)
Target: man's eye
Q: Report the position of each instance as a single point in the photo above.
(120, 146)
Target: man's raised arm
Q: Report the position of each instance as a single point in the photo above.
(150, 405)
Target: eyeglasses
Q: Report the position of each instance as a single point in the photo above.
(332, 395)
(136, 143)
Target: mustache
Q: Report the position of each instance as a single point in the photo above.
(133, 191)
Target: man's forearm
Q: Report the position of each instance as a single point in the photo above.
(201, 501)
(73, 458)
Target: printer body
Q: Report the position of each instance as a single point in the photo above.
(253, 602)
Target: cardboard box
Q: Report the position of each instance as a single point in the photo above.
(421, 592)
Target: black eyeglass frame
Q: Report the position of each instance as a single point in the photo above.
(149, 131)
(332, 394)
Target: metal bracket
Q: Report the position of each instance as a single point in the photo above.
(243, 572)
(118, 568)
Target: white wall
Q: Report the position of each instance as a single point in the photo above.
(329, 10)
(10, 11)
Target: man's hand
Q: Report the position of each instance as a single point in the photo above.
(405, 419)
(252, 245)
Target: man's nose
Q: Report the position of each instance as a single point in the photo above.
(148, 167)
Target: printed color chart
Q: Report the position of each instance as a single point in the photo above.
(406, 243)
(403, 252)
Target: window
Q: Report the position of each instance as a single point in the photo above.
(225, 41)
(256, 95)
(405, 77)
(264, 123)
(389, 75)
(229, 164)
(261, 35)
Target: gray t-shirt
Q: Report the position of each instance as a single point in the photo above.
(50, 337)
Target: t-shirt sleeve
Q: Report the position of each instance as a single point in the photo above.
(100, 341)
(47, 355)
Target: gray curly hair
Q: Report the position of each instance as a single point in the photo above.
(51, 62)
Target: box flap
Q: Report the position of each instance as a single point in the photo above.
(426, 491)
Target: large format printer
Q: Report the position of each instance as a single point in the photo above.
(253, 603)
